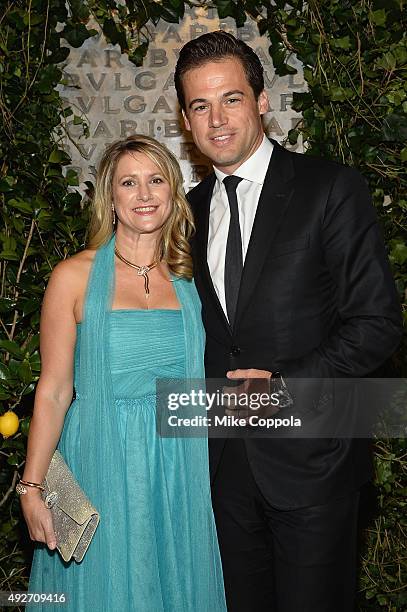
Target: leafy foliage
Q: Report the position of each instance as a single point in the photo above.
(39, 226)
(355, 65)
(354, 56)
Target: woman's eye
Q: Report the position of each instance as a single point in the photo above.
(128, 183)
(157, 180)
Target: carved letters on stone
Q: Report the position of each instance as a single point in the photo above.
(117, 98)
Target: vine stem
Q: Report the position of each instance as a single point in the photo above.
(40, 62)
(362, 81)
(20, 270)
(10, 489)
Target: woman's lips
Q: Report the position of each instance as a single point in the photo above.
(145, 210)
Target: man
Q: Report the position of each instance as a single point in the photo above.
(292, 275)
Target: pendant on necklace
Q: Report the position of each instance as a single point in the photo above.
(141, 270)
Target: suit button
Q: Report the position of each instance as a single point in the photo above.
(235, 350)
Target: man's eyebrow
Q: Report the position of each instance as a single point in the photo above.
(195, 101)
(233, 93)
(225, 95)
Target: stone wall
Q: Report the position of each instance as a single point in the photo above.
(118, 98)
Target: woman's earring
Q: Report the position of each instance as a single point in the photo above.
(113, 215)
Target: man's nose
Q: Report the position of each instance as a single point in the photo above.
(217, 116)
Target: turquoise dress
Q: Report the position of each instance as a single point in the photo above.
(155, 548)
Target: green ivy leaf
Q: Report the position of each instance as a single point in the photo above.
(30, 147)
(395, 97)
(11, 347)
(398, 253)
(240, 15)
(76, 34)
(9, 255)
(293, 136)
(56, 156)
(138, 54)
(35, 362)
(400, 53)
(115, 34)
(79, 10)
(25, 426)
(387, 61)
(301, 101)
(72, 178)
(54, 172)
(28, 306)
(338, 94)
(40, 202)
(179, 6)
(24, 372)
(170, 14)
(394, 128)
(226, 8)
(342, 43)
(58, 56)
(6, 184)
(33, 344)
(4, 395)
(7, 305)
(20, 205)
(31, 19)
(378, 17)
(9, 243)
(13, 459)
(4, 372)
(279, 57)
(49, 77)
(18, 225)
(262, 26)
(29, 389)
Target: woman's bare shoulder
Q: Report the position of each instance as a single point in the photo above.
(70, 276)
(78, 266)
(67, 284)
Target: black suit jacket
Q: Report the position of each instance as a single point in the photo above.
(316, 299)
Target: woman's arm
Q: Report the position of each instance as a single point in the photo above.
(54, 390)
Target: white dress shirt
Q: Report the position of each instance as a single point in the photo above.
(253, 172)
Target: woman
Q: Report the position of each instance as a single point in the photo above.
(116, 317)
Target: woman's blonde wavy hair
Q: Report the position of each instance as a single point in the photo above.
(173, 244)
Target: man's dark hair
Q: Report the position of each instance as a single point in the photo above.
(215, 47)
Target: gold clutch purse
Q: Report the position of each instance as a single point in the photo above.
(75, 519)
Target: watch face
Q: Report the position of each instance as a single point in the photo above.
(20, 489)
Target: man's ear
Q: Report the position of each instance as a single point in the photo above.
(263, 102)
(186, 122)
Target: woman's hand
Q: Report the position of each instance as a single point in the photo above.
(38, 518)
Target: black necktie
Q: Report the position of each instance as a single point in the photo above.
(234, 257)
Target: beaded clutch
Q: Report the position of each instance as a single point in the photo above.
(75, 519)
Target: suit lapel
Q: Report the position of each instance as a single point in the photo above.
(202, 205)
(273, 202)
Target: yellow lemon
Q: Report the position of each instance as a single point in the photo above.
(8, 423)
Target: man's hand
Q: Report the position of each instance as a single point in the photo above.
(248, 387)
(250, 373)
